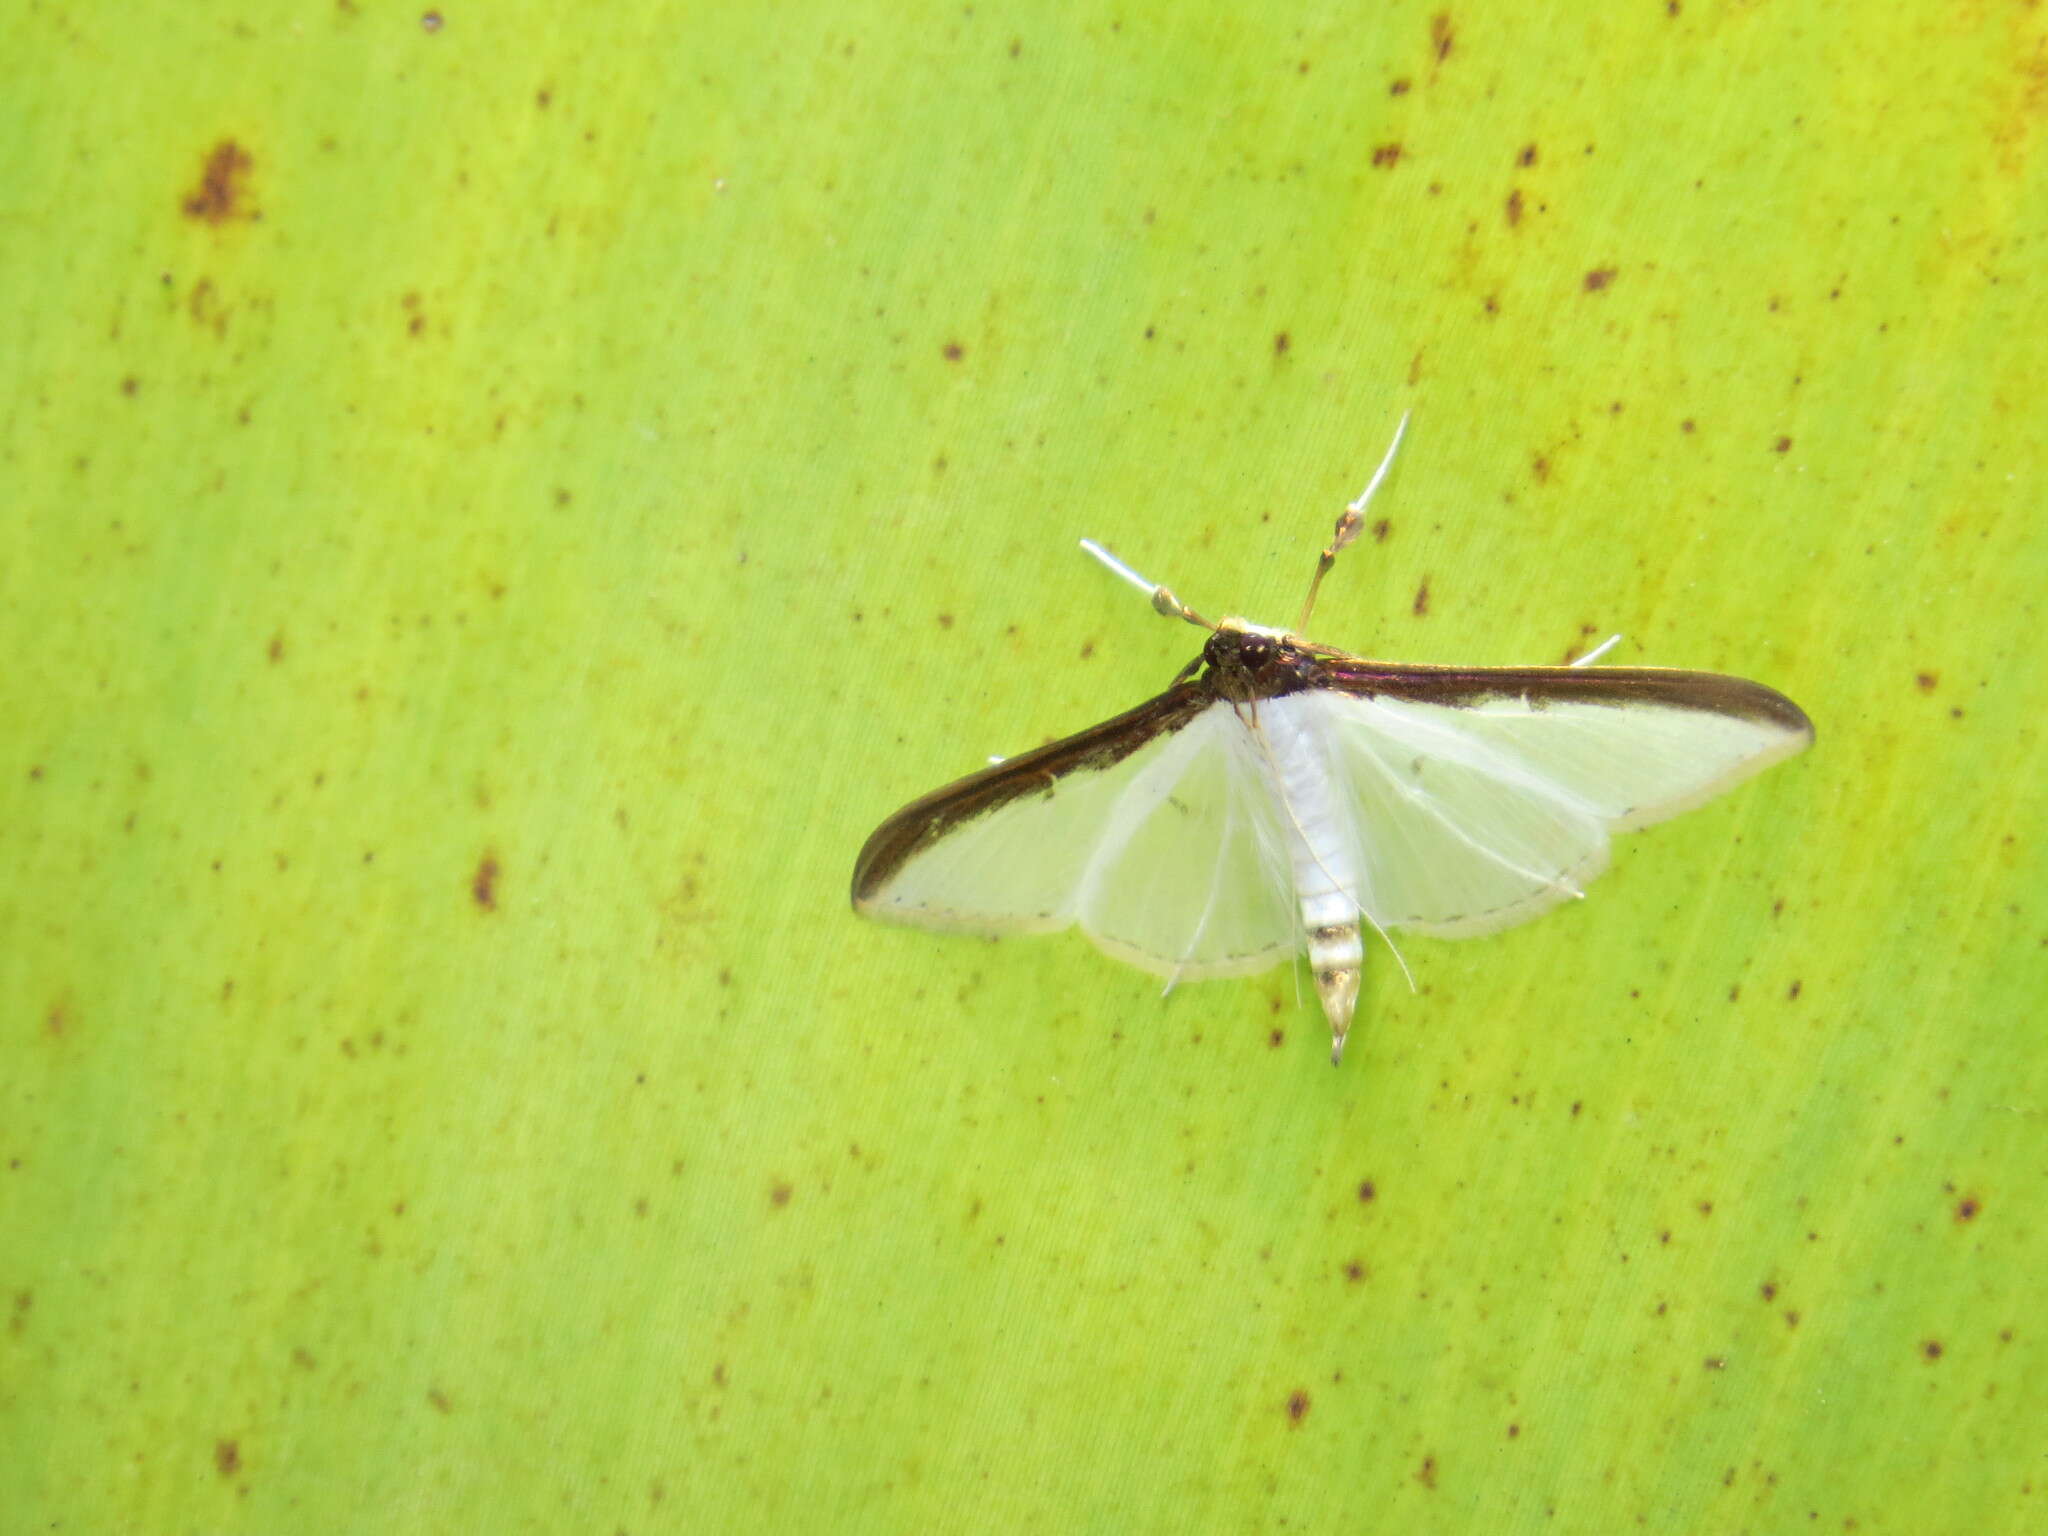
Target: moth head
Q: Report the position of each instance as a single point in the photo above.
(1247, 627)
(1251, 661)
(1246, 643)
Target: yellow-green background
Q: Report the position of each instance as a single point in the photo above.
(469, 585)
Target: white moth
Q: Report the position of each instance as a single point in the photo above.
(1282, 793)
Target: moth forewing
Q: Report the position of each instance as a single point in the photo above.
(1281, 796)
(1488, 806)
(1003, 850)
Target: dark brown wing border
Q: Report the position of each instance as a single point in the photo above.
(1649, 687)
(925, 820)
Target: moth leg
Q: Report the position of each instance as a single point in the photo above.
(1597, 652)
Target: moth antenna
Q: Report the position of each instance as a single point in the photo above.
(1598, 651)
(1350, 523)
(1163, 601)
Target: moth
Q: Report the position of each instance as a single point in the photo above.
(1283, 795)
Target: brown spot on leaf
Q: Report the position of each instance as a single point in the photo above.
(779, 1194)
(431, 23)
(1931, 1349)
(1386, 155)
(1927, 681)
(1782, 445)
(1792, 992)
(1281, 342)
(1398, 88)
(438, 1401)
(1767, 1290)
(1354, 1272)
(130, 385)
(1422, 599)
(1514, 1431)
(1540, 468)
(952, 351)
(1528, 155)
(1791, 1319)
(1276, 1038)
(1426, 1473)
(945, 621)
(1967, 1208)
(1687, 425)
(275, 650)
(227, 1457)
(1366, 1193)
(1716, 1362)
(222, 191)
(1514, 207)
(1598, 279)
(483, 885)
(203, 305)
(1442, 35)
(1381, 529)
(1297, 1406)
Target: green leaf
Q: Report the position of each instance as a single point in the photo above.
(504, 500)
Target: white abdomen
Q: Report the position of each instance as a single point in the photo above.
(1323, 850)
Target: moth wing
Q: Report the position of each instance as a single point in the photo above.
(1191, 878)
(1167, 850)
(1484, 809)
